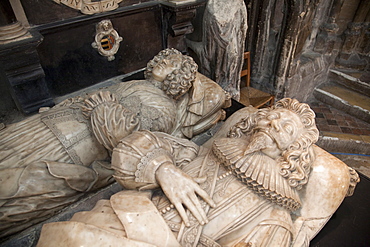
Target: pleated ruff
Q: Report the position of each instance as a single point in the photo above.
(258, 171)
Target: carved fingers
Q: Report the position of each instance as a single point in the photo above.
(182, 191)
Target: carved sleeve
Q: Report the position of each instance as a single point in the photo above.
(138, 156)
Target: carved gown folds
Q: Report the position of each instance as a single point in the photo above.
(41, 171)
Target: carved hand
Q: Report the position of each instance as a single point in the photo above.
(182, 190)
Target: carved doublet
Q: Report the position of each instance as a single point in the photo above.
(153, 107)
(215, 97)
(235, 203)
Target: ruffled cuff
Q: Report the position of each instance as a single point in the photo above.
(145, 172)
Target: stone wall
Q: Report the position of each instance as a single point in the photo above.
(301, 68)
(267, 22)
(294, 43)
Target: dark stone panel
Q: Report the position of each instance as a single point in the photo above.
(267, 21)
(71, 63)
(23, 75)
(235, 106)
(6, 101)
(46, 11)
(350, 224)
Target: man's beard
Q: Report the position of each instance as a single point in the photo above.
(257, 169)
(259, 140)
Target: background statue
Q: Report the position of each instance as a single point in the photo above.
(222, 47)
(257, 183)
(50, 160)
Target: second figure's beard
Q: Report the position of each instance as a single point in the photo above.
(257, 166)
(258, 141)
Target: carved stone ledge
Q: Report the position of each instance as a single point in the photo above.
(178, 2)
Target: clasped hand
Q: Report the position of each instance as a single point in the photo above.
(182, 190)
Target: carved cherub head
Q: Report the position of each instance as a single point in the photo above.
(175, 71)
(284, 132)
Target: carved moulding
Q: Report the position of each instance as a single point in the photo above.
(90, 7)
(106, 39)
(13, 32)
(181, 1)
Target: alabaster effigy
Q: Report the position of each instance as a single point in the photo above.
(260, 181)
(49, 160)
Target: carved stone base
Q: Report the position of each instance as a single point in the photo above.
(12, 33)
(20, 69)
(351, 60)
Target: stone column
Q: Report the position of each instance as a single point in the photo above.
(353, 42)
(20, 67)
(7, 15)
(328, 40)
(10, 28)
(355, 29)
(365, 43)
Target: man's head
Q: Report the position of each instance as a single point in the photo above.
(284, 132)
(177, 72)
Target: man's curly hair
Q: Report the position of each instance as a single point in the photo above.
(295, 162)
(179, 81)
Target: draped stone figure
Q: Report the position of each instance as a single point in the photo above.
(222, 47)
(259, 182)
(50, 160)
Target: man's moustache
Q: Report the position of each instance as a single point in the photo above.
(258, 141)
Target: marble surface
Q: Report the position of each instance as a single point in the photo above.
(50, 159)
(220, 215)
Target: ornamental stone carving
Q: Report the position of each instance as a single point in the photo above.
(260, 181)
(90, 7)
(107, 39)
(50, 160)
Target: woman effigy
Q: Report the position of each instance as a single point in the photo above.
(260, 181)
(50, 160)
(197, 100)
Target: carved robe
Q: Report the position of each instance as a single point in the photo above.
(154, 109)
(245, 212)
(201, 108)
(241, 215)
(43, 168)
